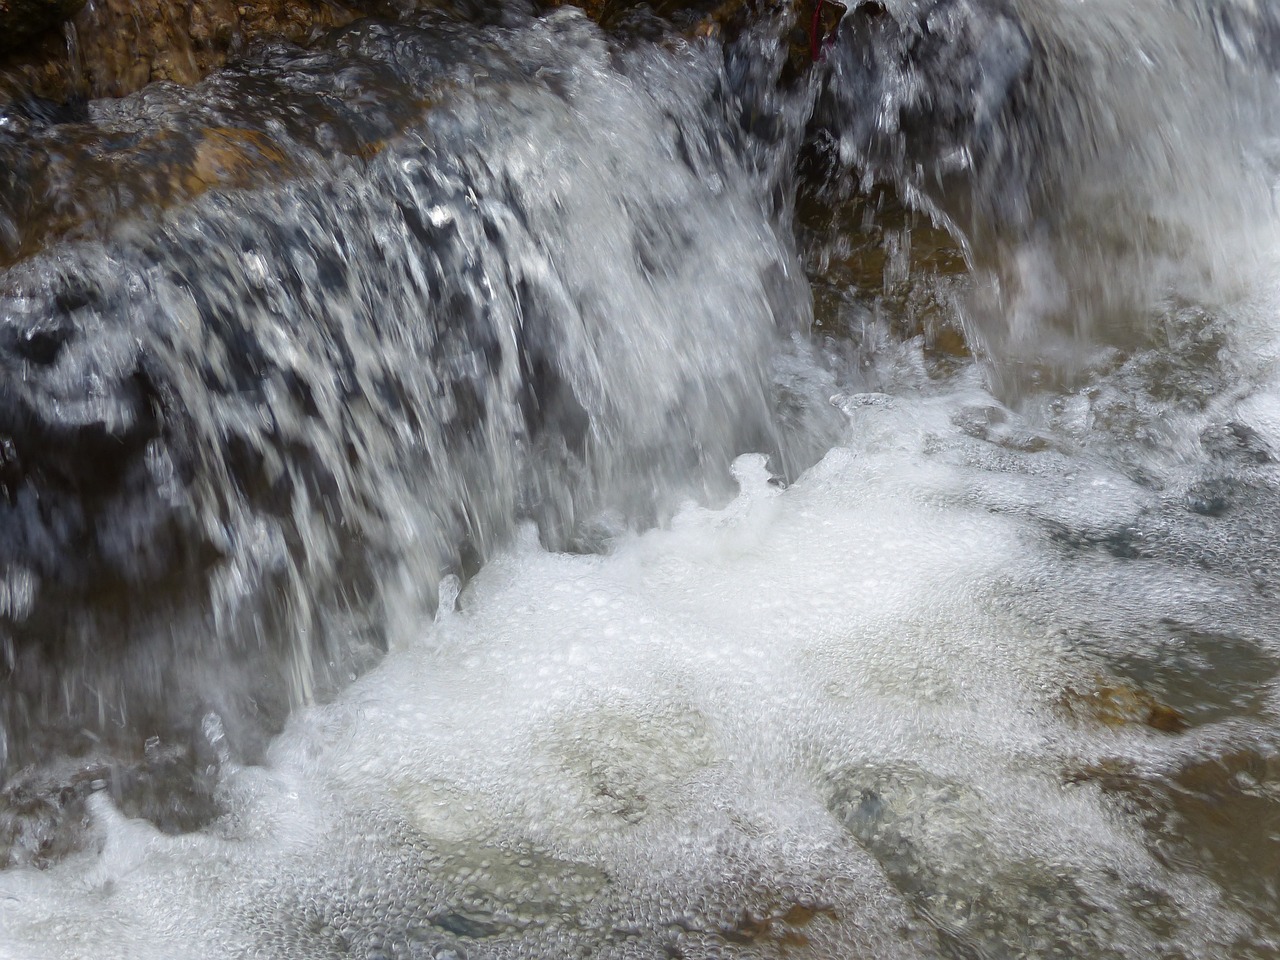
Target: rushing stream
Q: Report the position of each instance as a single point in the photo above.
(762, 484)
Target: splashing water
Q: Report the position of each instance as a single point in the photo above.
(1090, 155)
(343, 381)
(434, 354)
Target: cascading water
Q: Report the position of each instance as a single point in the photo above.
(342, 382)
(371, 578)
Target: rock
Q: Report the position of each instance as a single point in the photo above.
(1218, 814)
(1236, 442)
(115, 47)
(115, 177)
(44, 811)
(1114, 704)
(22, 21)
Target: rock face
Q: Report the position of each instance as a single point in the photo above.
(22, 21)
(111, 48)
(69, 49)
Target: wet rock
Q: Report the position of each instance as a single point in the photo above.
(935, 840)
(993, 424)
(1205, 672)
(43, 817)
(99, 535)
(781, 926)
(1212, 497)
(931, 86)
(1219, 812)
(44, 811)
(1114, 704)
(115, 47)
(73, 177)
(213, 412)
(868, 247)
(810, 25)
(1236, 442)
(22, 21)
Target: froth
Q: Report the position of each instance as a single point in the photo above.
(821, 720)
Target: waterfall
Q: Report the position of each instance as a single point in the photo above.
(754, 483)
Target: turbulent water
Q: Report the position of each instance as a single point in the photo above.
(754, 485)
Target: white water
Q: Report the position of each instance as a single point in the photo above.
(900, 708)
(846, 696)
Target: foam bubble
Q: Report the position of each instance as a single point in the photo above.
(832, 718)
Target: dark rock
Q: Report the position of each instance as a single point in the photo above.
(934, 90)
(1236, 442)
(114, 47)
(44, 811)
(1213, 497)
(22, 21)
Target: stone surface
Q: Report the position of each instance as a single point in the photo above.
(22, 21)
(114, 47)
(1116, 704)
(111, 48)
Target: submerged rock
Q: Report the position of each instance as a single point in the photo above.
(1115, 704)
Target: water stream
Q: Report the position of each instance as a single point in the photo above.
(493, 485)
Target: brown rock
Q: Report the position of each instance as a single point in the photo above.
(123, 176)
(227, 157)
(115, 47)
(1116, 705)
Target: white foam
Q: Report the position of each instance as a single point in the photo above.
(818, 714)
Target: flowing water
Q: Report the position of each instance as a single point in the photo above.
(755, 485)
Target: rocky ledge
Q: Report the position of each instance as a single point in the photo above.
(67, 49)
